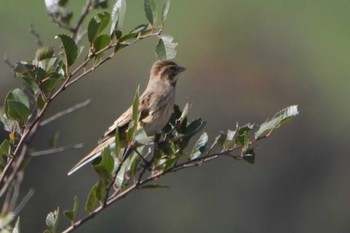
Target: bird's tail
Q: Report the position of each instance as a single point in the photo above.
(93, 154)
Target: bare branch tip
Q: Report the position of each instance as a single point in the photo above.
(8, 62)
(36, 35)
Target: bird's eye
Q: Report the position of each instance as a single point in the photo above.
(172, 70)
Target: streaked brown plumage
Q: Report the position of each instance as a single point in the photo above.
(155, 108)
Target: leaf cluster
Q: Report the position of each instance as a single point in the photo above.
(52, 70)
(122, 169)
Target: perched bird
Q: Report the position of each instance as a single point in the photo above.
(155, 108)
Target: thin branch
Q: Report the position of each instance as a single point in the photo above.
(8, 62)
(87, 8)
(89, 70)
(125, 44)
(16, 168)
(57, 150)
(66, 84)
(99, 209)
(65, 112)
(13, 164)
(16, 187)
(116, 196)
(26, 136)
(62, 25)
(126, 154)
(36, 35)
(24, 201)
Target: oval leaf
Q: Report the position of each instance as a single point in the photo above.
(52, 220)
(71, 214)
(92, 199)
(165, 10)
(150, 10)
(97, 24)
(5, 148)
(70, 49)
(280, 118)
(165, 49)
(44, 52)
(118, 14)
(17, 105)
(104, 165)
(101, 42)
(200, 146)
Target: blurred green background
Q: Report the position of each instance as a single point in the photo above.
(245, 60)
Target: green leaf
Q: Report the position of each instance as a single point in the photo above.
(44, 52)
(92, 199)
(97, 24)
(243, 136)
(174, 120)
(101, 187)
(40, 102)
(166, 148)
(194, 127)
(103, 4)
(70, 49)
(170, 162)
(200, 146)
(219, 140)
(133, 163)
(118, 14)
(231, 138)
(150, 10)
(52, 220)
(48, 85)
(279, 119)
(120, 179)
(130, 131)
(128, 37)
(165, 49)
(101, 42)
(17, 110)
(135, 116)
(104, 165)
(191, 129)
(165, 10)
(17, 105)
(155, 186)
(19, 96)
(5, 148)
(135, 105)
(140, 29)
(9, 124)
(71, 214)
(185, 111)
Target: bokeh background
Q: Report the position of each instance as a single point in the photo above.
(245, 60)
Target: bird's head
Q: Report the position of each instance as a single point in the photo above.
(166, 71)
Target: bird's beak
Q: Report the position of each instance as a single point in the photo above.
(180, 69)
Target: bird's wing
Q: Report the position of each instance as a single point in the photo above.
(108, 137)
(123, 121)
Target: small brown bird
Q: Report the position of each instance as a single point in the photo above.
(155, 108)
